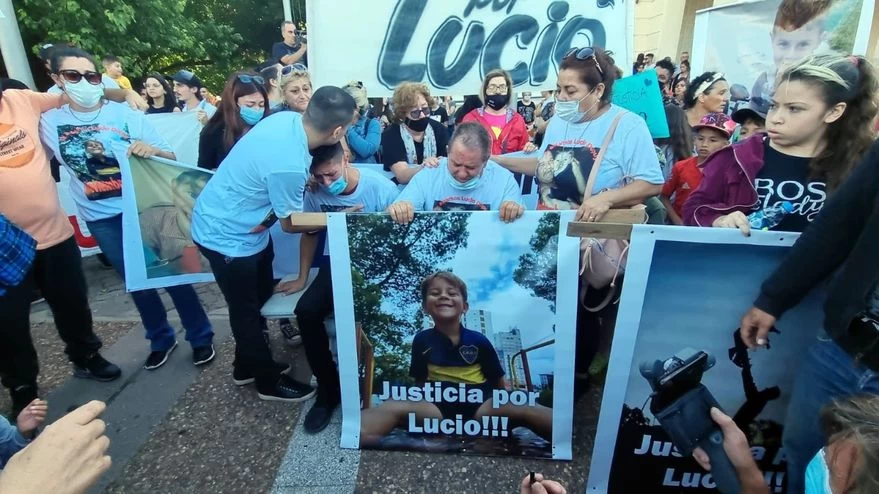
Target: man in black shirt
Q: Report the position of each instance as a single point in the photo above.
(292, 49)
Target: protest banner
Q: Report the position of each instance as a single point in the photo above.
(688, 288)
(158, 196)
(757, 49)
(182, 131)
(505, 387)
(451, 44)
(640, 94)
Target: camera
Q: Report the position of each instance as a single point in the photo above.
(682, 405)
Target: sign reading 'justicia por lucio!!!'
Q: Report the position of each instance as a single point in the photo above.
(450, 45)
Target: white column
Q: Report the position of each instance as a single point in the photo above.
(12, 47)
(288, 14)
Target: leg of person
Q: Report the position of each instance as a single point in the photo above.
(237, 278)
(826, 373)
(199, 332)
(59, 276)
(588, 338)
(18, 357)
(537, 418)
(378, 422)
(314, 306)
(163, 341)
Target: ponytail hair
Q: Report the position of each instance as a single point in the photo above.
(841, 79)
(699, 86)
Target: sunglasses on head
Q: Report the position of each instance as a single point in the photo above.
(74, 76)
(418, 112)
(585, 54)
(251, 79)
(298, 67)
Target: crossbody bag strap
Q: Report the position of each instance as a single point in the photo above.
(593, 174)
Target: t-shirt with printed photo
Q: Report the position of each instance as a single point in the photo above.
(569, 151)
(83, 142)
(434, 189)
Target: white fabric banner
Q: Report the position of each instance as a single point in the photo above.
(182, 130)
(451, 44)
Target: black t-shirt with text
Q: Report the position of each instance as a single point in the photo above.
(786, 178)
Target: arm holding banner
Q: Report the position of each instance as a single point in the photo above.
(594, 208)
(307, 246)
(525, 166)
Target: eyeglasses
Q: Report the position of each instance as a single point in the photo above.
(251, 79)
(418, 112)
(585, 54)
(73, 76)
(496, 89)
(298, 67)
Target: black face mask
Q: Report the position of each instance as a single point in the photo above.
(496, 101)
(419, 125)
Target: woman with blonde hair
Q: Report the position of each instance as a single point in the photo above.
(295, 83)
(416, 141)
(507, 128)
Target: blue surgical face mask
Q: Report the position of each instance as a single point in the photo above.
(338, 186)
(84, 94)
(569, 111)
(818, 475)
(251, 115)
(465, 186)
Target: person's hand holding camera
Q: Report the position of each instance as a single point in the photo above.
(735, 444)
(756, 325)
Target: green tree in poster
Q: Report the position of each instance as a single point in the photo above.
(843, 39)
(537, 269)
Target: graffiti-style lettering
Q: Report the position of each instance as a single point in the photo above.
(474, 38)
(522, 27)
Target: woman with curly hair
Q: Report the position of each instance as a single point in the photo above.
(416, 141)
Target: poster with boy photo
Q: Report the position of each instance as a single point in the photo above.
(157, 200)
(456, 332)
(749, 42)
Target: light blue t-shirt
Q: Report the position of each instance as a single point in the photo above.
(431, 189)
(262, 179)
(203, 105)
(374, 192)
(569, 150)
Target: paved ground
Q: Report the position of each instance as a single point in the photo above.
(182, 429)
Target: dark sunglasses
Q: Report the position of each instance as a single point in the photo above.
(251, 79)
(585, 54)
(73, 76)
(298, 67)
(418, 112)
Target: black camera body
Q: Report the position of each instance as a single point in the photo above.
(682, 405)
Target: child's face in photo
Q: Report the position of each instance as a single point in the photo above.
(789, 47)
(444, 301)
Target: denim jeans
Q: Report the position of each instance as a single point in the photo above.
(108, 234)
(826, 373)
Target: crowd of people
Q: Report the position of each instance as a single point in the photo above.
(279, 146)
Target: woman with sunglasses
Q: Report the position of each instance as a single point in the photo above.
(629, 172)
(296, 87)
(244, 103)
(416, 141)
(364, 135)
(507, 128)
(159, 96)
(66, 133)
(708, 93)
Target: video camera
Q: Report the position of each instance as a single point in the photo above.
(682, 405)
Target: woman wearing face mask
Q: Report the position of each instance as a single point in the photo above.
(365, 135)
(818, 128)
(708, 93)
(243, 104)
(296, 87)
(416, 141)
(629, 173)
(160, 96)
(504, 124)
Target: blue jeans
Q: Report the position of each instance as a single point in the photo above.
(828, 372)
(108, 234)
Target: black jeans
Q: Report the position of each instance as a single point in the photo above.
(57, 272)
(314, 306)
(247, 283)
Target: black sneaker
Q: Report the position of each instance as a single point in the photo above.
(96, 367)
(158, 359)
(203, 354)
(318, 418)
(290, 332)
(21, 396)
(241, 378)
(287, 390)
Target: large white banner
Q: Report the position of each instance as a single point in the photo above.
(451, 44)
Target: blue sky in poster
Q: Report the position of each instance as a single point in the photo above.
(684, 308)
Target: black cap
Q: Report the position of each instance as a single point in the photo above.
(757, 107)
(188, 78)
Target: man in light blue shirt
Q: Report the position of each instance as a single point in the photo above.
(465, 181)
(261, 181)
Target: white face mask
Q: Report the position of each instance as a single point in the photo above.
(569, 111)
(84, 94)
